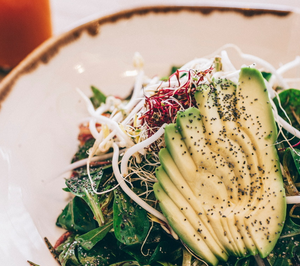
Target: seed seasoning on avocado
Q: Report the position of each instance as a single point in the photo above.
(220, 184)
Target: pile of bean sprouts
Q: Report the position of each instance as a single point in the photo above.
(130, 145)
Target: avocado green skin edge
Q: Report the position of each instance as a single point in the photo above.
(254, 73)
(257, 76)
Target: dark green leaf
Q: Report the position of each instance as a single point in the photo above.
(165, 263)
(99, 255)
(80, 186)
(248, 261)
(98, 97)
(126, 263)
(266, 75)
(77, 217)
(161, 252)
(290, 229)
(290, 102)
(32, 264)
(90, 239)
(158, 246)
(66, 189)
(82, 152)
(287, 246)
(131, 223)
(67, 251)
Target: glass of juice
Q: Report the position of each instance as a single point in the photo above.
(24, 24)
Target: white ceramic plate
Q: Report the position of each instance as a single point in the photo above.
(40, 108)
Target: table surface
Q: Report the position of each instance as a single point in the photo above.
(67, 14)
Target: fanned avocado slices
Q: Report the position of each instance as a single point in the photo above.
(219, 183)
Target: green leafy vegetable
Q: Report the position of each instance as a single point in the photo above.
(68, 252)
(287, 247)
(32, 264)
(291, 165)
(290, 102)
(82, 151)
(98, 97)
(158, 246)
(266, 75)
(79, 184)
(76, 217)
(90, 239)
(131, 223)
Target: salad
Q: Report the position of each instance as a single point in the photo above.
(198, 168)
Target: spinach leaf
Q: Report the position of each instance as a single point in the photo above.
(79, 184)
(98, 97)
(126, 263)
(290, 229)
(165, 263)
(131, 223)
(290, 102)
(161, 252)
(105, 252)
(90, 239)
(245, 261)
(32, 263)
(266, 75)
(82, 151)
(76, 217)
(287, 247)
(67, 251)
(157, 247)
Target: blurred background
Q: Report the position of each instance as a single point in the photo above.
(67, 13)
(24, 24)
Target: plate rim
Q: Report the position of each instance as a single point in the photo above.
(51, 47)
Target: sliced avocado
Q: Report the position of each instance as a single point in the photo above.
(195, 219)
(220, 161)
(178, 220)
(268, 205)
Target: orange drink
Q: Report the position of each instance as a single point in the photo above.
(24, 24)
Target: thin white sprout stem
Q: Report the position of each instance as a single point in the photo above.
(83, 162)
(146, 238)
(118, 116)
(293, 199)
(105, 141)
(136, 91)
(139, 146)
(128, 191)
(256, 59)
(289, 65)
(133, 112)
(125, 140)
(93, 128)
(288, 127)
(267, 65)
(227, 66)
(163, 84)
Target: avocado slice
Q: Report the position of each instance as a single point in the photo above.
(189, 235)
(220, 161)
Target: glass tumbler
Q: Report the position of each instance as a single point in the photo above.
(24, 24)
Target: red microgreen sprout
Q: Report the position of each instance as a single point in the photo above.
(162, 107)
